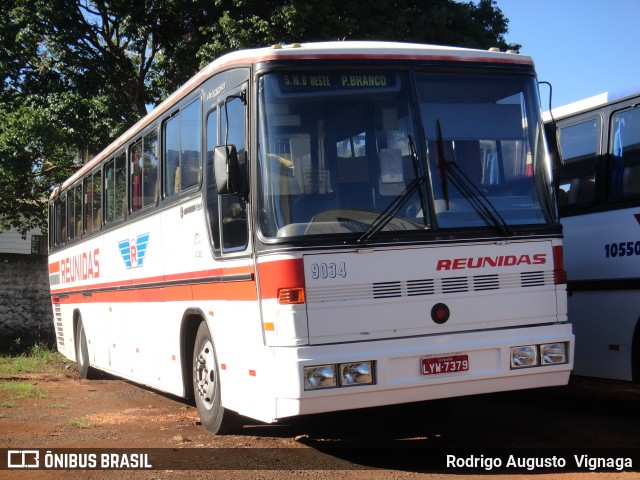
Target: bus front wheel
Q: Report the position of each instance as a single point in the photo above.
(206, 386)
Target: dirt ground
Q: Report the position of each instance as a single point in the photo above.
(62, 411)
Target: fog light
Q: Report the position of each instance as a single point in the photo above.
(524, 356)
(320, 376)
(553, 353)
(358, 373)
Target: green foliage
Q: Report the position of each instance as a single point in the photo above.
(21, 390)
(76, 73)
(81, 423)
(38, 359)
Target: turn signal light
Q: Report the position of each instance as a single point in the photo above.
(290, 296)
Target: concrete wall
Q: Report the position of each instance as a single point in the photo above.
(25, 307)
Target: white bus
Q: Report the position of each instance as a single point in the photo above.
(320, 227)
(599, 203)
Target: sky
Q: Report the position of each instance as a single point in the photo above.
(582, 47)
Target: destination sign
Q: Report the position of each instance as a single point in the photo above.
(326, 81)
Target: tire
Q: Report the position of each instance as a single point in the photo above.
(206, 387)
(82, 352)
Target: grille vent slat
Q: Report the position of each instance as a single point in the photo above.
(455, 285)
(420, 287)
(486, 282)
(57, 316)
(387, 290)
(532, 279)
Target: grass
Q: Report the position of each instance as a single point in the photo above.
(81, 423)
(22, 390)
(38, 359)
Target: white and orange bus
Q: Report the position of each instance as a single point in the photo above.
(320, 227)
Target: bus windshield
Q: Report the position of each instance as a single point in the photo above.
(351, 153)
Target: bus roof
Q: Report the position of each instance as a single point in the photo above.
(592, 102)
(347, 50)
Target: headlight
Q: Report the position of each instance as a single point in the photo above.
(350, 374)
(358, 373)
(524, 356)
(553, 353)
(320, 376)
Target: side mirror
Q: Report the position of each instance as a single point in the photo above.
(553, 143)
(227, 170)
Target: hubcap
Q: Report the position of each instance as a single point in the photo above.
(205, 375)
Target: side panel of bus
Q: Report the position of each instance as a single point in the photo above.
(603, 307)
(599, 197)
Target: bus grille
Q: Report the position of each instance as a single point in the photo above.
(428, 286)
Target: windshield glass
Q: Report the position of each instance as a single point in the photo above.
(339, 153)
(485, 150)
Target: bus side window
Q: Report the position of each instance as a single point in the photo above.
(60, 215)
(96, 207)
(74, 215)
(115, 188)
(580, 146)
(136, 176)
(182, 151)
(92, 202)
(144, 171)
(120, 194)
(88, 202)
(625, 149)
(172, 156)
(190, 147)
(150, 169)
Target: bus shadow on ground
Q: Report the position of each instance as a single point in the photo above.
(589, 414)
(552, 417)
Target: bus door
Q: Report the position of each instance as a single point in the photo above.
(226, 125)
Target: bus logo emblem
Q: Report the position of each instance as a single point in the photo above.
(133, 251)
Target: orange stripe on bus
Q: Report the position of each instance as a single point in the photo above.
(273, 276)
(218, 274)
(232, 291)
(280, 274)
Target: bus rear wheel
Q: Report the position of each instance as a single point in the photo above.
(82, 352)
(206, 387)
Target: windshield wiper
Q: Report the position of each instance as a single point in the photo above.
(442, 165)
(418, 174)
(469, 190)
(385, 217)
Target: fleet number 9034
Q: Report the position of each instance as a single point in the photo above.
(328, 270)
(622, 249)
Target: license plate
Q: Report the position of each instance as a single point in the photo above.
(449, 364)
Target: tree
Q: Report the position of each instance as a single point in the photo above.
(76, 73)
(252, 23)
